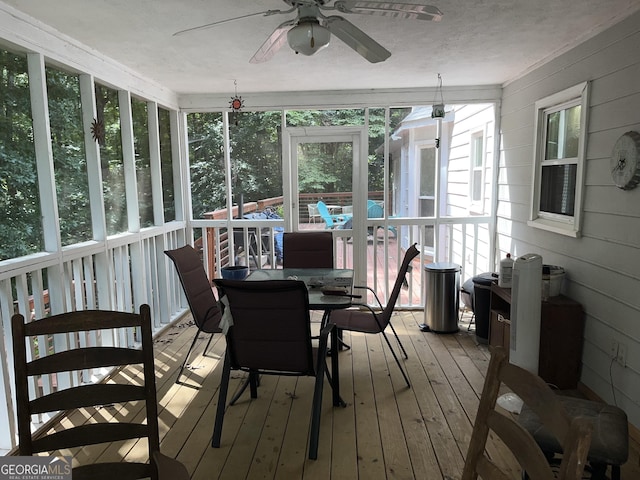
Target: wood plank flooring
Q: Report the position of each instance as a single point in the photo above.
(387, 431)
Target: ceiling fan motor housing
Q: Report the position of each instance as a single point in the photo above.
(308, 36)
(302, 3)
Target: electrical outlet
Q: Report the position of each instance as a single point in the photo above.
(613, 349)
(621, 358)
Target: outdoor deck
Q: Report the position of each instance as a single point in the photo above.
(386, 431)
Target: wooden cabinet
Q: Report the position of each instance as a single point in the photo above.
(499, 322)
(561, 335)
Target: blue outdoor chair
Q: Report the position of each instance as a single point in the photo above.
(332, 220)
(375, 210)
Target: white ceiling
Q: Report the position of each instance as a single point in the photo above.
(478, 42)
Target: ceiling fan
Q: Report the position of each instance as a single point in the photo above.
(311, 30)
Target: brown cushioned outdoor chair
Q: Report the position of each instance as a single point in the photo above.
(269, 334)
(307, 250)
(199, 293)
(365, 319)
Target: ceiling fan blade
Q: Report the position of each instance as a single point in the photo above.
(357, 39)
(266, 13)
(273, 43)
(390, 9)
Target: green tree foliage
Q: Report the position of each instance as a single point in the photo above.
(325, 118)
(377, 136)
(206, 159)
(112, 164)
(70, 163)
(325, 167)
(140, 118)
(166, 164)
(256, 167)
(20, 225)
(256, 151)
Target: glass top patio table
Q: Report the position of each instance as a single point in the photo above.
(315, 279)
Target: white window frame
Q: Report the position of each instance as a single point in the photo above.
(419, 148)
(477, 206)
(562, 224)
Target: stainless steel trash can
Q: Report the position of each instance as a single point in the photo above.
(442, 301)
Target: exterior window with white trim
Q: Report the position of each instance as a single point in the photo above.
(476, 174)
(427, 181)
(561, 126)
(427, 189)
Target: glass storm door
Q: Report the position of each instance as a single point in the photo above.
(323, 164)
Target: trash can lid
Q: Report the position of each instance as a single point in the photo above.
(442, 267)
(485, 278)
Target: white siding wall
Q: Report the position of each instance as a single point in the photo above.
(603, 266)
(469, 119)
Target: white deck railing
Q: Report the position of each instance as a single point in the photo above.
(130, 269)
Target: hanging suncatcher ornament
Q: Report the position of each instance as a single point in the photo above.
(236, 104)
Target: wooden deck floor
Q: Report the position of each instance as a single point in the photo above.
(387, 431)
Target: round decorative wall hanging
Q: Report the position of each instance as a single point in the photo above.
(625, 161)
(97, 131)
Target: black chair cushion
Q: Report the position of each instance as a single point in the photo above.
(610, 438)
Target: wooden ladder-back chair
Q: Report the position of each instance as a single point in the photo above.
(307, 250)
(270, 334)
(200, 297)
(574, 434)
(86, 327)
(366, 320)
(609, 441)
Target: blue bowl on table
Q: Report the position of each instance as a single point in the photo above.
(237, 272)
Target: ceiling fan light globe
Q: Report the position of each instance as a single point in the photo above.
(308, 37)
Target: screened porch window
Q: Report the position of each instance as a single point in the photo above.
(19, 195)
(142, 160)
(112, 163)
(70, 162)
(166, 164)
